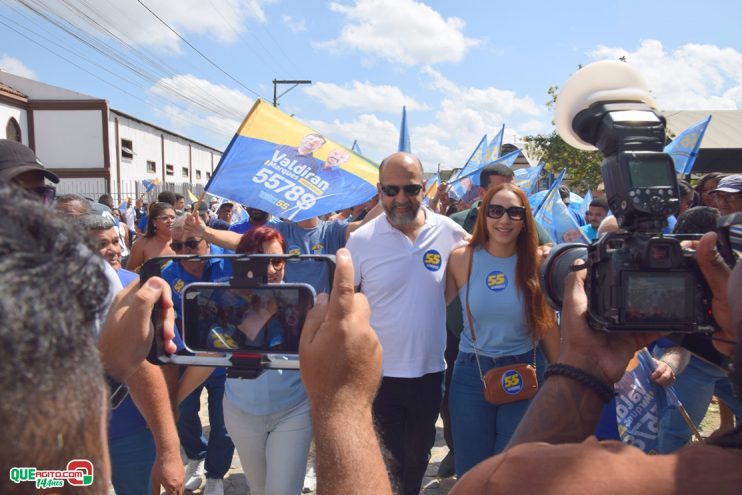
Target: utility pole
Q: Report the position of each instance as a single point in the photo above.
(294, 83)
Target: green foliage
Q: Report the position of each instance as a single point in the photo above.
(583, 167)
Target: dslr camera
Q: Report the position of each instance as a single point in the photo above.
(638, 279)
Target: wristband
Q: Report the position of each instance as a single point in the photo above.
(117, 391)
(604, 392)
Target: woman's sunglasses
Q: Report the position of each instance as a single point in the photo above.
(190, 244)
(729, 231)
(514, 212)
(409, 190)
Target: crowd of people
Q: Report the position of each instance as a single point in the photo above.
(423, 306)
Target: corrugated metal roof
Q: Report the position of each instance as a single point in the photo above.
(724, 130)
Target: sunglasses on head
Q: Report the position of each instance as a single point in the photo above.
(514, 212)
(729, 232)
(45, 193)
(190, 244)
(409, 190)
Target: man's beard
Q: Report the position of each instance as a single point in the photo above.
(402, 219)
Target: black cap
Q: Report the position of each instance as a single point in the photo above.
(17, 158)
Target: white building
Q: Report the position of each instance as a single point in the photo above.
(95, 149)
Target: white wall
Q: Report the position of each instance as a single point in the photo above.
(69, 138)
(90, 188)
(202, 161)
(6, 113)
(146, 145)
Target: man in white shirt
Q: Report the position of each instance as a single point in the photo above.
(400, 262)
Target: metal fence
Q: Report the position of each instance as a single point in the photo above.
(129, 189)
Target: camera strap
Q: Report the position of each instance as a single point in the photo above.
(471, 322)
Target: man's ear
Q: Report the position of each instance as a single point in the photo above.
(481, 192)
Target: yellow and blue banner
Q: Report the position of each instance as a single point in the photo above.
(150, 184)
(475, 160)
(684, 148)
(494, 149)
(279, 165)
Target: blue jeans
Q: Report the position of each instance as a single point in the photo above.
(694, 387)
(481, 429)
(219, 448)
(132, 457)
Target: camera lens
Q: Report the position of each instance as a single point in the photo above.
(555, 270)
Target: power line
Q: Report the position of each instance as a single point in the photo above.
(198, 51)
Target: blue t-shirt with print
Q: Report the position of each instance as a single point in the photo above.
(325, 238)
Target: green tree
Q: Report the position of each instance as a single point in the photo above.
(583, 167)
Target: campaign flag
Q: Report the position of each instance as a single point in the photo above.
(404, 136)
(556, 219)
(684, 148)
(192, 197)
(464, 188)
(150, 184)
(641, 403)
(494, 148)
(526, 178)
(279, 165)
(355, 148)
(475, 159)
(585, 203)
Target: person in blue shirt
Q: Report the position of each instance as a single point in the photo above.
(268, 418)
(215, 455)
(596, 212)
(256, 218)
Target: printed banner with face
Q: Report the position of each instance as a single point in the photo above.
(553, 216)
(279, 165)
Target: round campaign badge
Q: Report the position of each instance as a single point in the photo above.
(496, 281)
(512, 382)
(294, 250)
(432, 260)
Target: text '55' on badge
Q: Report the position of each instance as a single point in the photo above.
(432, 260)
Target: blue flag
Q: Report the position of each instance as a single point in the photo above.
(641, 403)
(475, 159)
(585, 203)
(404, 136)
(526, 178)
(684, 148)
(150, 184)
(554, 216)
(464, 188)
(355, 148)
(494, 148)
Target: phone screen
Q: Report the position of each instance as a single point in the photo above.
(268, 319)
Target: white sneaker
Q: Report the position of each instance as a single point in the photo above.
(310, 481)
(194, 474)
(214, 486)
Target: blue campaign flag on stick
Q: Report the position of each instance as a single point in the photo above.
(641, 403)
(585, 203)
(278, 165)
(404, 136)
(494, 148)
(355, 148)
(475, 159)
(526, 178)
(465, 186)
(554, 216)
(684, 148)
(150, 184)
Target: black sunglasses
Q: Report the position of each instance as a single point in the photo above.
(729, 231)
(409, 190)
(514, 212)
(45, 193)
(191, 244)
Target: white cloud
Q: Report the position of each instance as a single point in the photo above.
(222, 20)
(376, 137)
(294, 25)
(15, 66)
(202, 104)
(363, 96)
(691, 77)
(405, 32)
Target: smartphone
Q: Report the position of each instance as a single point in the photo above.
(265, 318)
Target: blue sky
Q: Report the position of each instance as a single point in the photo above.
(463, 68)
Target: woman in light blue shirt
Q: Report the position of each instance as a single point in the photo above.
(510, 318)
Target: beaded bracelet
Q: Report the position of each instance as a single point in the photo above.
(605, 392)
